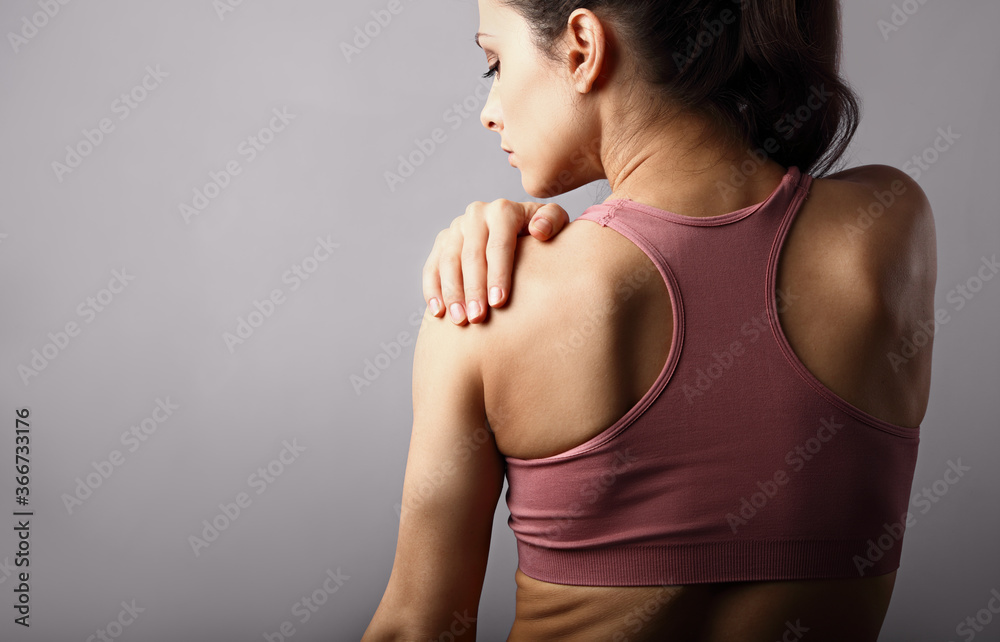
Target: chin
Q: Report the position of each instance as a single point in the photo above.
(544, 188)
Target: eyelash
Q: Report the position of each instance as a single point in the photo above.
(494, 70)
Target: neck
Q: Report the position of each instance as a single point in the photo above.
(681, 167)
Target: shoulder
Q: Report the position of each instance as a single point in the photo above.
(555, 283)
(547, 281)
(560, 329)
(877, 202)
(549, 285)
(445, 352)
(878, 225)
(864, 263)
(552, 282)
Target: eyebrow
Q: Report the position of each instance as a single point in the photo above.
(481, 34)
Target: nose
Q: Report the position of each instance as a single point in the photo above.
(492, 115)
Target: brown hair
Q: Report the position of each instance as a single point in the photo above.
(766, 71)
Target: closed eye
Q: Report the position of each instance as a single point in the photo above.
(494, 70)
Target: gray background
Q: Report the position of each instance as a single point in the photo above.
(334, 506)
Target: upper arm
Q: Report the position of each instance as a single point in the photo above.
(889, 260)
(454, 476)
(894, 243)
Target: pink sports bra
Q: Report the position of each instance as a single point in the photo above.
(738, 464)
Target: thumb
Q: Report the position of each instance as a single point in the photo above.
(545, 219)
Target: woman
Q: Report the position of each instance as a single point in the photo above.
(721, 453)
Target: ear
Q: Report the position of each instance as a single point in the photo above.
(586, 48)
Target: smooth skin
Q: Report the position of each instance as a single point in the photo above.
(499, 387)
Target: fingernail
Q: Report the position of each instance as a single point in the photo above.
(473, 309)
(435, 307)
(543, 226)
(495, 295)
(456, 312)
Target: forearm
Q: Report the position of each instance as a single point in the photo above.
(397, 625)
(382, 628)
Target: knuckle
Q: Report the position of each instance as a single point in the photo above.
(503, 207)
(507, 215)
(452, 246)
(499, 245)
(451, 294)
(449, 262)
(470, 252)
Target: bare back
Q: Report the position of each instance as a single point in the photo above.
(581, 341)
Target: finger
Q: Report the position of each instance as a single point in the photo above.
(450, 269)
(547, 221)
(473, 253)
(504, 225)
(431, 278)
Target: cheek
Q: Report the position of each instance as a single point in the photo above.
(540, 125)
(538, 122)
(550, 172)
(530, 101)
(551, 164)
